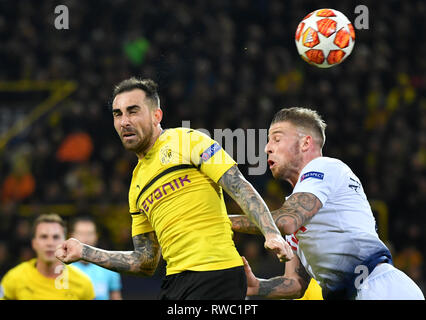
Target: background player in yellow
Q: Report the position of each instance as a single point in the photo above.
(313, 292)
(176, 203)
(44, 277)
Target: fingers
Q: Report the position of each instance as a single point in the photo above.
(61, 252)
(246, 264)
(280, 247)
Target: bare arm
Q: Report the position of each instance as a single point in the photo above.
(241, 223)
(292, 285)
(143, 260)
(234, 183)
(295, 212)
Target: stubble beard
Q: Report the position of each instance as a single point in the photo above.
(291, 168)
(143, 144)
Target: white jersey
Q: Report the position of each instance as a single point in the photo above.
(342, 234)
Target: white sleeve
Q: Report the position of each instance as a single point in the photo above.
(320, 178)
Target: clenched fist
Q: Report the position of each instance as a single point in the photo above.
(69, 251)
(279, 246)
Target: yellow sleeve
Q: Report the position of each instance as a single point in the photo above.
(140, 224)
(313, 292)
(90, 292)
(7, 287)
(209, 156)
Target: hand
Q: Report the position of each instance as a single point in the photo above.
(252, 281)
(279, 246)
(69, 251)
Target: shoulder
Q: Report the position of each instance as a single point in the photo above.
(181, 137)
(14, 278)
(20, 269)
(187, 132)
(321, 165)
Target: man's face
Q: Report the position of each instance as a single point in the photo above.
(133, 120)
(283, 150)
(85, 231)
(48, 235)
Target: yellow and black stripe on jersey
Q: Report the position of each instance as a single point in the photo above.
(174, 192)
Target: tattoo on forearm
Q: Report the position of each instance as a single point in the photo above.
(297, 210)
(243, 224)
(234, 183)
(304, 277)
(143, 260)
(276, 287)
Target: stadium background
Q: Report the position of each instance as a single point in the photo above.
(219, 64)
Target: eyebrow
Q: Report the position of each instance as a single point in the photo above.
(276, 131)
(128, 108)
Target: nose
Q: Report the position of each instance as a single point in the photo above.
(124, 121)
(268, 148)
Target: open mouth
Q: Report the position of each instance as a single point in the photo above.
(271, 163)
(50, 253)
(128, 135)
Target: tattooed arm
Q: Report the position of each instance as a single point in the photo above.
(234, 183)
(243, 224)
(143, 260)
(295, 212)
(292, 285)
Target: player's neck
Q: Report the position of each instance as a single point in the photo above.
(157, 132)
(49, 270)
(308, 158)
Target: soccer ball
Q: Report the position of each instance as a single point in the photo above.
(325, 37)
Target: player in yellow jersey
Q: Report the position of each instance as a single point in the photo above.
(176, 203)
(44, 277)
(313, 292)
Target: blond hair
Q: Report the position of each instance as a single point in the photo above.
(303, 118)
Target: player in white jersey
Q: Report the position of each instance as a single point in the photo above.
(327, 219)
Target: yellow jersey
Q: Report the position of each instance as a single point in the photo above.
(174, 192)
(313, 292)
(25, 282)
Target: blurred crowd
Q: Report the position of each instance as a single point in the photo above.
(219, 64)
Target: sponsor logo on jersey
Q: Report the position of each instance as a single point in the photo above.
(312, 174)
(162, 191)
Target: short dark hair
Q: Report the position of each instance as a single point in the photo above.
(49, 218)
(76, 220)
(146, 85)
(304, 118)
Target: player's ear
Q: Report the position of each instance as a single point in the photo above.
(157, 116)
(306, 142)
(33, 244)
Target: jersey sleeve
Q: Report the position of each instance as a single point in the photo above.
(208, 155)
(7, 287)
(319, 178)
(89, 292)
(140, 224)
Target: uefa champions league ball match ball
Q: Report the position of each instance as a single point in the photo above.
(325, 37)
